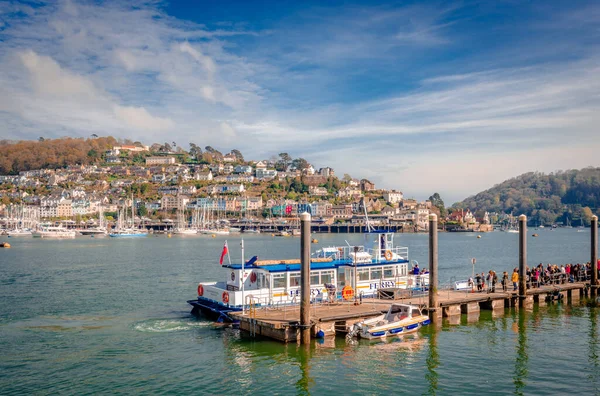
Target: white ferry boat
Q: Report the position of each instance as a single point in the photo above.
(336, 272)
(54, 232)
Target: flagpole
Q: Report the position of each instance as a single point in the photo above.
(243, 280)
(228, 256)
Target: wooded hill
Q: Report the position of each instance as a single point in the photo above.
(561, 197)
(51, 154)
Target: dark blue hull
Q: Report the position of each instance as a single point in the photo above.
(213, 310)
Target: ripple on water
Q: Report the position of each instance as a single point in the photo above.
(169, 325)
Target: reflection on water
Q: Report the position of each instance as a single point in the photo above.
(433, 361)
(304, 382)
(593, 351)
(521, 358)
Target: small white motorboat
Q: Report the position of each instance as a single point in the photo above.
(400, 319)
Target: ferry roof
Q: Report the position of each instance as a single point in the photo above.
(313, 266)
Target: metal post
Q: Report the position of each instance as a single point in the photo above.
(243, 280)
(522, 258)
(305, 278)
(433, 267)
(355, 288)
(594, 254)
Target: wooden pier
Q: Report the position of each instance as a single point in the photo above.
(283, 323)
(294, 323)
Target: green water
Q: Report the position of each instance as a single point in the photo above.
(99, 315)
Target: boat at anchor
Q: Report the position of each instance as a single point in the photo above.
(336, 272)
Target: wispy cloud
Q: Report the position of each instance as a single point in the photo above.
(406, 96)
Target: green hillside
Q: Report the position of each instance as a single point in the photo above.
(565, 196)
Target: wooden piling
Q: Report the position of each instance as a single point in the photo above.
(522, 259)
(305, 278)
(433, 269)
(594, 255)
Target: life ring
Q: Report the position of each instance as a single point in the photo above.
(347, 293)
(200, 289)
(225, 297)
(253, 277)
(388, 255)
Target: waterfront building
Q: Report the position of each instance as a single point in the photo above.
(168, 202)
(343, 211)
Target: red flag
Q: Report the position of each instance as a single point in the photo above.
(223, 253)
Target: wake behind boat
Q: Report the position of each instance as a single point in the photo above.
(336, 273)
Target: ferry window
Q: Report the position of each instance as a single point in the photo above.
(314, 278)
(376, 273)
(388, 272)
(294, 279)
(363, 274)
(278, 280)
(326, 276)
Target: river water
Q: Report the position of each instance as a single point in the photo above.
(100, 315)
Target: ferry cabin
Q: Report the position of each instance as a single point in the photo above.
(275, 282)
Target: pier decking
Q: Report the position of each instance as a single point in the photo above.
(283, 323)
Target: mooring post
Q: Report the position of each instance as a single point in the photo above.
(305, 278)
(433, 268)
(522, 258)
(594, 255)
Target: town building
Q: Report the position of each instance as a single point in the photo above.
(393, 196)
(160, 160)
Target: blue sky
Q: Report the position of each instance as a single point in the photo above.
(452, 97)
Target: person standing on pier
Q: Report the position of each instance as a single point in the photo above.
(478, 282)
(504, 281)
(515, 279)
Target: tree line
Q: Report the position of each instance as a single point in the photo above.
(570, 196)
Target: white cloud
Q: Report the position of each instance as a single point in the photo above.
(133, 71)
(138, 117)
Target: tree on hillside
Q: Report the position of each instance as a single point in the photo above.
(347, 178)
(238, 155)
(216, 154)
(300, 163)
(195, 151)
(587, 214)
(437, 201)
(285, 159)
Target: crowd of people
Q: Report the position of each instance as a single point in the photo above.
(540, 275)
